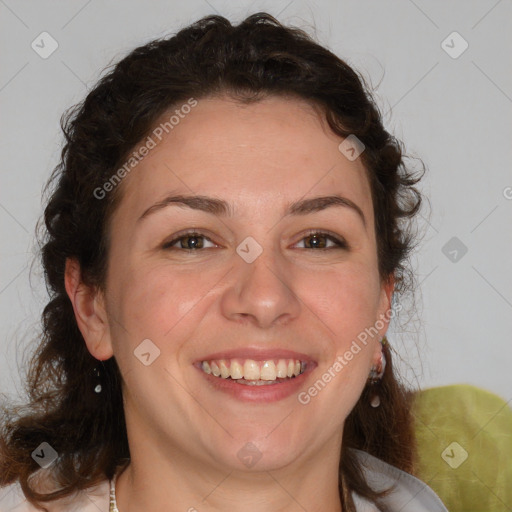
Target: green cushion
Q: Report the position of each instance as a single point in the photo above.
(464, 437)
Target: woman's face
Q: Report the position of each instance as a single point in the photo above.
(252, 293)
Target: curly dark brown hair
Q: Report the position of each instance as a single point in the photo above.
(248, 61)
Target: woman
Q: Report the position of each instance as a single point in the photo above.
(224, 238)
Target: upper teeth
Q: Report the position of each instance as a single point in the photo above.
(250, 369)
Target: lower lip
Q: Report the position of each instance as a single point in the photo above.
(259, 394)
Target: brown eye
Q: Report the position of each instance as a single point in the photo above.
(319, 240)
(188, 242)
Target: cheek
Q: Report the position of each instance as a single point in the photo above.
(345, 298)
(346, 302)
(158, 302)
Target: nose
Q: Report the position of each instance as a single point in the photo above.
(262, 292)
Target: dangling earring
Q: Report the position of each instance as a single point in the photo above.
(376, 374)
(97, 387)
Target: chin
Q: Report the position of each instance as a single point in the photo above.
(253, 451)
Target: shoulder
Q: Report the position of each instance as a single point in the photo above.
(409, 494)
(92, 499)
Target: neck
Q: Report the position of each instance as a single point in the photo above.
(184, 485)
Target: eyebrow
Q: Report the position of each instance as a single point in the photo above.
(221, 208)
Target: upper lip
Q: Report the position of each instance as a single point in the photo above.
(257, 355)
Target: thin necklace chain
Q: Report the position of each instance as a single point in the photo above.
(113, 504)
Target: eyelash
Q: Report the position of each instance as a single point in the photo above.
(341, 244)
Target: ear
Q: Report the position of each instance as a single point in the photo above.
(384, 313)
(386, 295)
(90, 313)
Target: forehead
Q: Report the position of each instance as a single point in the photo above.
(256, 156)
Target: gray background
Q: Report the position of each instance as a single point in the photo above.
(453, 113)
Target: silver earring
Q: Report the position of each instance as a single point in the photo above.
(97, 388)
(376, 374)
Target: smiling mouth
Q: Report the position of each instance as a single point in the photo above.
(254, 373)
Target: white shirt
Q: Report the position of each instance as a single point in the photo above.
(410, 493)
